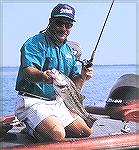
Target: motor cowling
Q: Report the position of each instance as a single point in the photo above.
(125, 90)
(123, 100)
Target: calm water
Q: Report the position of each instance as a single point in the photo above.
(96, 90)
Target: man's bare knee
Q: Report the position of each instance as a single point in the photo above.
(50, 128)
(78, 128)
(57, 134)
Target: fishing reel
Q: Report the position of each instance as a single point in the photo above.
(85, 63)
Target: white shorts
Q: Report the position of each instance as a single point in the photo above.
(34, 110)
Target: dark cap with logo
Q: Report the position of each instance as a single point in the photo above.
(63, 10)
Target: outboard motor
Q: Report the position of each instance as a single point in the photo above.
(123, 100)
(124, 91)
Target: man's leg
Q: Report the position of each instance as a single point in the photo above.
(50, 128)
(78, 128)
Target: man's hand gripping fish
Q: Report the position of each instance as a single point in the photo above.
(66, 89)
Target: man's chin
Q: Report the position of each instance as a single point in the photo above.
(61, 39)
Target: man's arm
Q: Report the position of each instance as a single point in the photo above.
(86, 74)
(34, 75)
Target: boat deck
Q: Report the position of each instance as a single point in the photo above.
(104, 126)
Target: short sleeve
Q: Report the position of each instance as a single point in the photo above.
(31, 54)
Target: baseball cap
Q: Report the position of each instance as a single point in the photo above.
(63, 10)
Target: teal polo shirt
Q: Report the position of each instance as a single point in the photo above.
(41, 52)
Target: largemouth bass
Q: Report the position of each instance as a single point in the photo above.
(67, 90)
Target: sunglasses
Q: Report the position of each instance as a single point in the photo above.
(60, 23)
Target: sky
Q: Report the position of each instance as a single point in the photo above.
(22, 19)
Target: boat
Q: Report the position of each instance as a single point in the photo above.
(110, 138)
(115, 127)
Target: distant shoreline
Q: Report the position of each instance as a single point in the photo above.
(79, 65)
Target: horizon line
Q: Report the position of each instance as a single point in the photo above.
(93, 65)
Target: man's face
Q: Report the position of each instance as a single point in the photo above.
(61, 27)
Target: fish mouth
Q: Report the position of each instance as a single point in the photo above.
(61, 86)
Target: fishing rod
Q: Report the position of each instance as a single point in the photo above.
(88, 63)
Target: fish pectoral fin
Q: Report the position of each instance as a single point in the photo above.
(82, 97)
